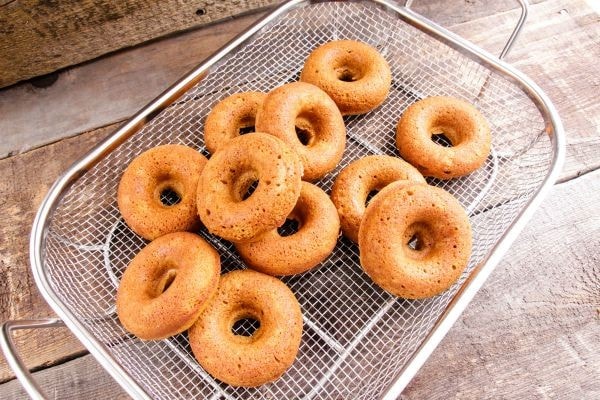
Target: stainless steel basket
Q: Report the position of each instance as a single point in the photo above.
(359, 342)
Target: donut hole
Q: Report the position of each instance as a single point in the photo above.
(446, 132)
(165, 281)
(304, 136)
(246, 129)
(417, 240)
(441, 139)
(305, 125)
(246, 124)
(246, 326)
(289, 227)
(348, 73)
(370, 196)
(251, 188)
(415, 243)
(169, 197)
(245, 185)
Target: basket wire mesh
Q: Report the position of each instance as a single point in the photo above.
(356, 336)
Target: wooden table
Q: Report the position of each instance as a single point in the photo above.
(533, 331)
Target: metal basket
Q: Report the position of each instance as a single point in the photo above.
(359, 342)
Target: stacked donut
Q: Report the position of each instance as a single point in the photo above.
(267, 152)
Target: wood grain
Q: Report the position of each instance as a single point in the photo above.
(82, 378)
(115, 87)
(25, 181)
(39, 37)
(106, 91)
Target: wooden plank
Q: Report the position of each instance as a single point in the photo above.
(533, 331)
(82, 378)
(536, 337)
(39, 37)
(115, 87)
(109, 90)
(42, 37)
(25, 181)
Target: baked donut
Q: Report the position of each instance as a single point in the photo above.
(355, 183)
(354, 74)
(255, 158)
(230, 118)
(318, 231)
(464, 126)
(167, 284)
(263, 356)
(414, 240)
(305, 118)
(173, 169)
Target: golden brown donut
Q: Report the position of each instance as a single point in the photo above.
(167, 284)
(305, 118)
(318, 231)
(359, 179)
(174, 168)
(401, 213)
(243, 161)
(465, 127)
(264, 356)
(230, 117)
(354, 74)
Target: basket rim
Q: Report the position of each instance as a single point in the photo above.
(461, 299)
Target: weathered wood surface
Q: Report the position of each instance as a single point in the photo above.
(78, 379)
(39, 37)
(108, 90)
(25, 181)
(116, 86)
(565, 74)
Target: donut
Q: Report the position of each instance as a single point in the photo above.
(318, 231)
(173, 169)
(305, 118)
(404, 213)
(167, 284)
(464, 126)
(230, 118)
(360, 179)
(354, 74)
(263, 356)
(224, 205)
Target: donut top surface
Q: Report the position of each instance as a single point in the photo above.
(464, 126)
(403, 213)
(162, 169)
(230, 117)
(361, 178)
(264, 355)
(167, 285)
(354, 74)
(315, 239)
(306, 119)
(225, 205)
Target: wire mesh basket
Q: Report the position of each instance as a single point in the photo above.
(359, 342)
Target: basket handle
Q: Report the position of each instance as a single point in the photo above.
(12, 357)
(516, 31)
